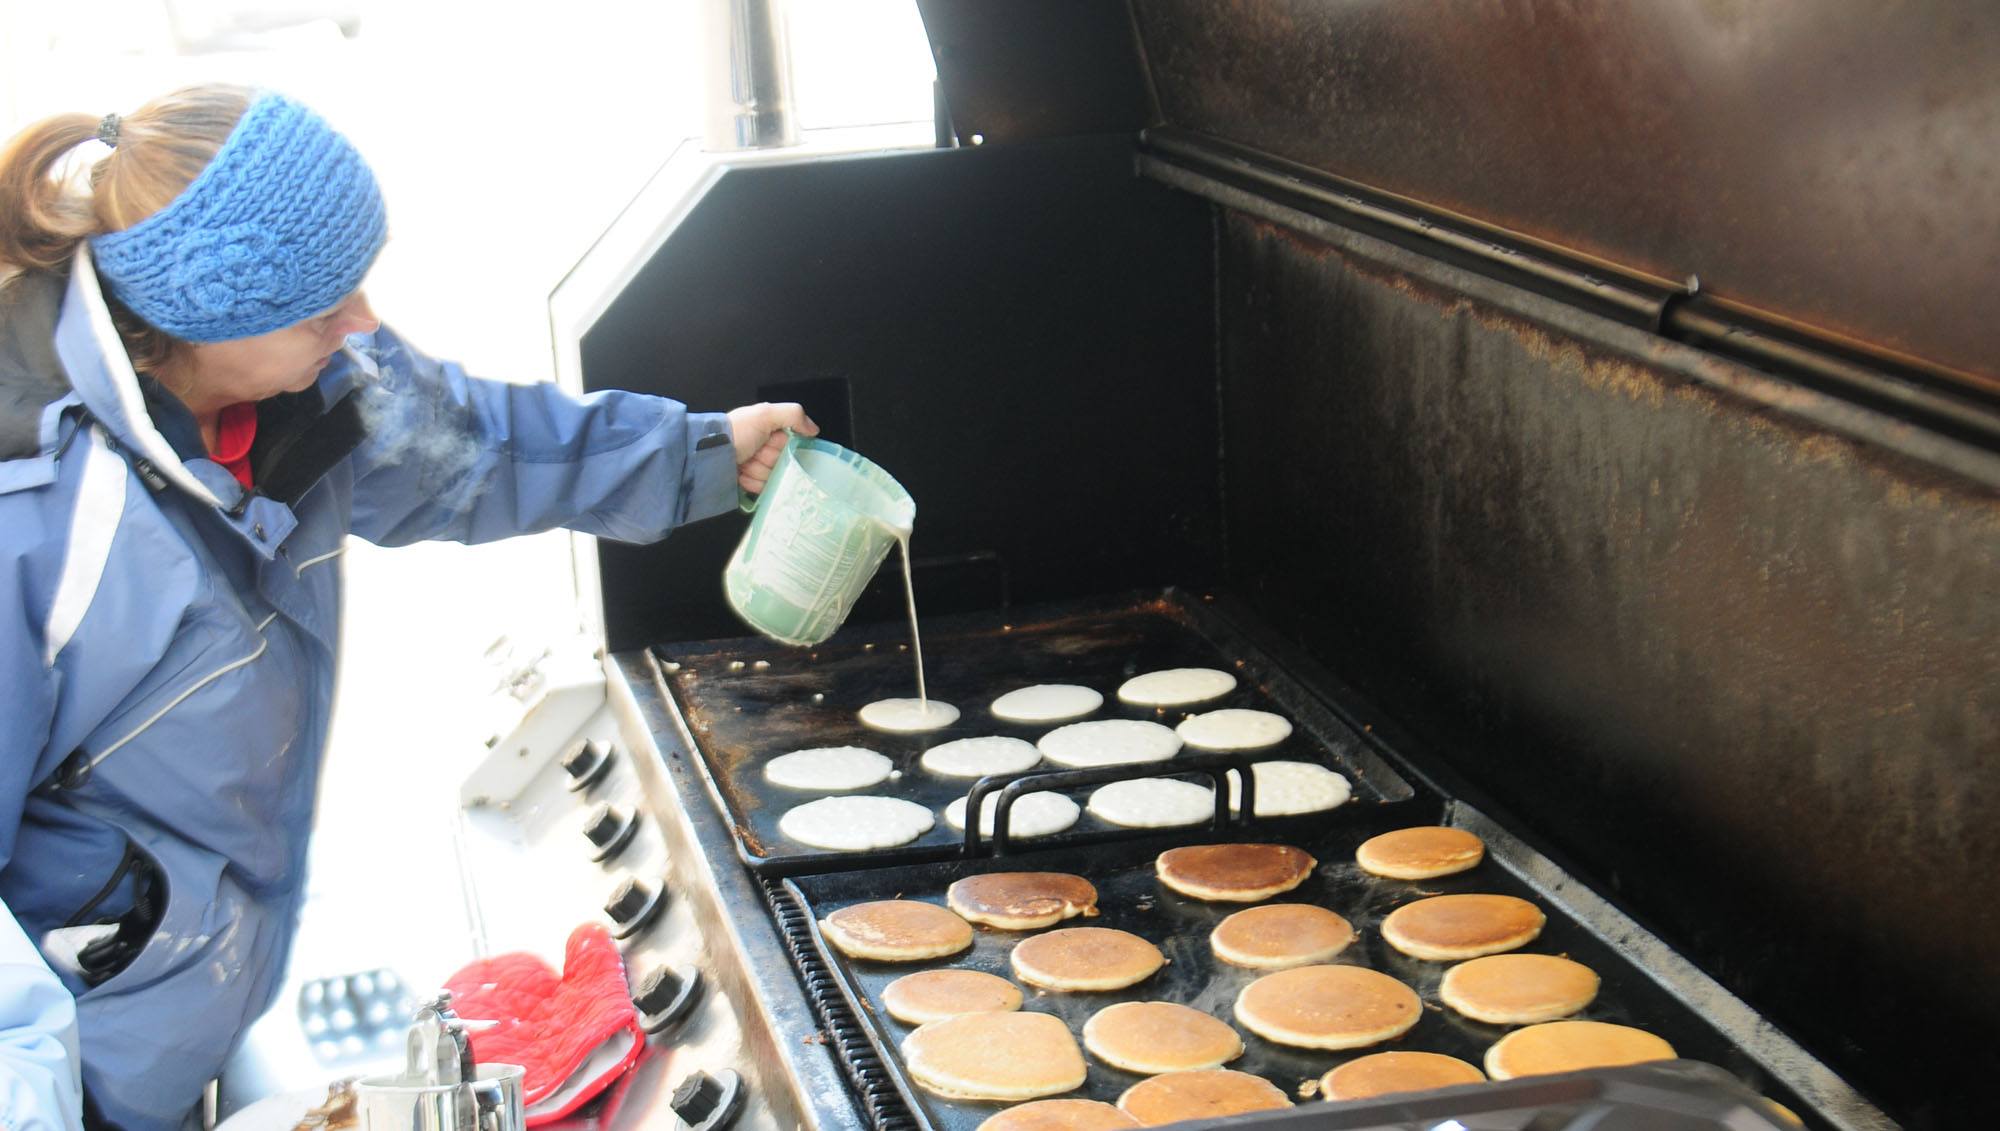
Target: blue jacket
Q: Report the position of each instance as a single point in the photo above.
(167, 652)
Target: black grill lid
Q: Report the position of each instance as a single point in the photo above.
(1832, 170)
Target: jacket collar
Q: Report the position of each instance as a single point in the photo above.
(102, 376)
(103, 380)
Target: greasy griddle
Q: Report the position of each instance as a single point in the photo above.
(1132, 899)
(747, 701)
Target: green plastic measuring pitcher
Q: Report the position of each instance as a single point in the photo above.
(826, 519)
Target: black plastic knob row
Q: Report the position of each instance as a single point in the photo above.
(708, 1103)
(665, 998)
(586, 763)
(632, 905)
(609, 828)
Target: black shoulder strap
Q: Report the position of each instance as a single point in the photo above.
(31, 375)
(303, 443)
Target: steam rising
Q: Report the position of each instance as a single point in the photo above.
(411, 419)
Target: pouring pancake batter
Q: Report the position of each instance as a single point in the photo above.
(197, 406)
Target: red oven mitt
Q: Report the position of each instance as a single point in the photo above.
(573, 1033)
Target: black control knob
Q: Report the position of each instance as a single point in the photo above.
(586, 763)
(665, 998)
(708, 1103)
(632, 905)
(609, 828)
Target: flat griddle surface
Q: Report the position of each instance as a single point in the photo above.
(1132, 899)
(748, 701)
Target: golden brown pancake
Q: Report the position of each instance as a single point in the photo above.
(994, 1056)
(1328, 1007)
(1150, 1037)
(896, 930)
(1280, 935)
(1234, 873)
(1086, 958)
(1448, 927)
(1568, 1046)
(1060, 1115)
(1022, 901)
(1390, 1073)
(1790, 1117)
(933, 995)
(1204, 1094)
(1420, 853)
(1518, 989)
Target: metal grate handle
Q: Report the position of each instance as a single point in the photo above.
(851, 1046)
(1012, 786)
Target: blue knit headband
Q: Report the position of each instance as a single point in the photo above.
(281, 226)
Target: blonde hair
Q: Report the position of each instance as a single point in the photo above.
(160, 150)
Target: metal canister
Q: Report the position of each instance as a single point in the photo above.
(440, 1089)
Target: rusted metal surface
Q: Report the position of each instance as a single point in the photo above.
(1743, 669)
(1029, 69)
(1835, 165)
(1948, 403)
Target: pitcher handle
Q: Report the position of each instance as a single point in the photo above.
(747, 502)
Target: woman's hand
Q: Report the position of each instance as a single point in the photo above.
(758, 431)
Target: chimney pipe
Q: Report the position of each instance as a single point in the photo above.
(749, 76)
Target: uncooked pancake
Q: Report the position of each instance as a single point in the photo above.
(1022, 901)
(1060, 1115)
(1234, 728)
(977, 757)
(1448, 927)
(1153, 803)
(856, 824)
(933, 995)
(995, 1056)
(1177, 687)
(1393, 1073)
(907, 716)
(1207, 1093)
(1085, 958)
(1234, 873)
(833, 768)
(1278, 936)
(896, 930)
(1571, 1046)
(1046, 703)
(1109, 742)
(1421, 853)
(1151, 1037)
(1033, 814)
(1288, 788)
(1518, 989)
(1328, 1007)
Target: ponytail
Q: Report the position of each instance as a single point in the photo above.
(43, 217)
(162, 147)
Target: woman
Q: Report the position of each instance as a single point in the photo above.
(197, 405)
